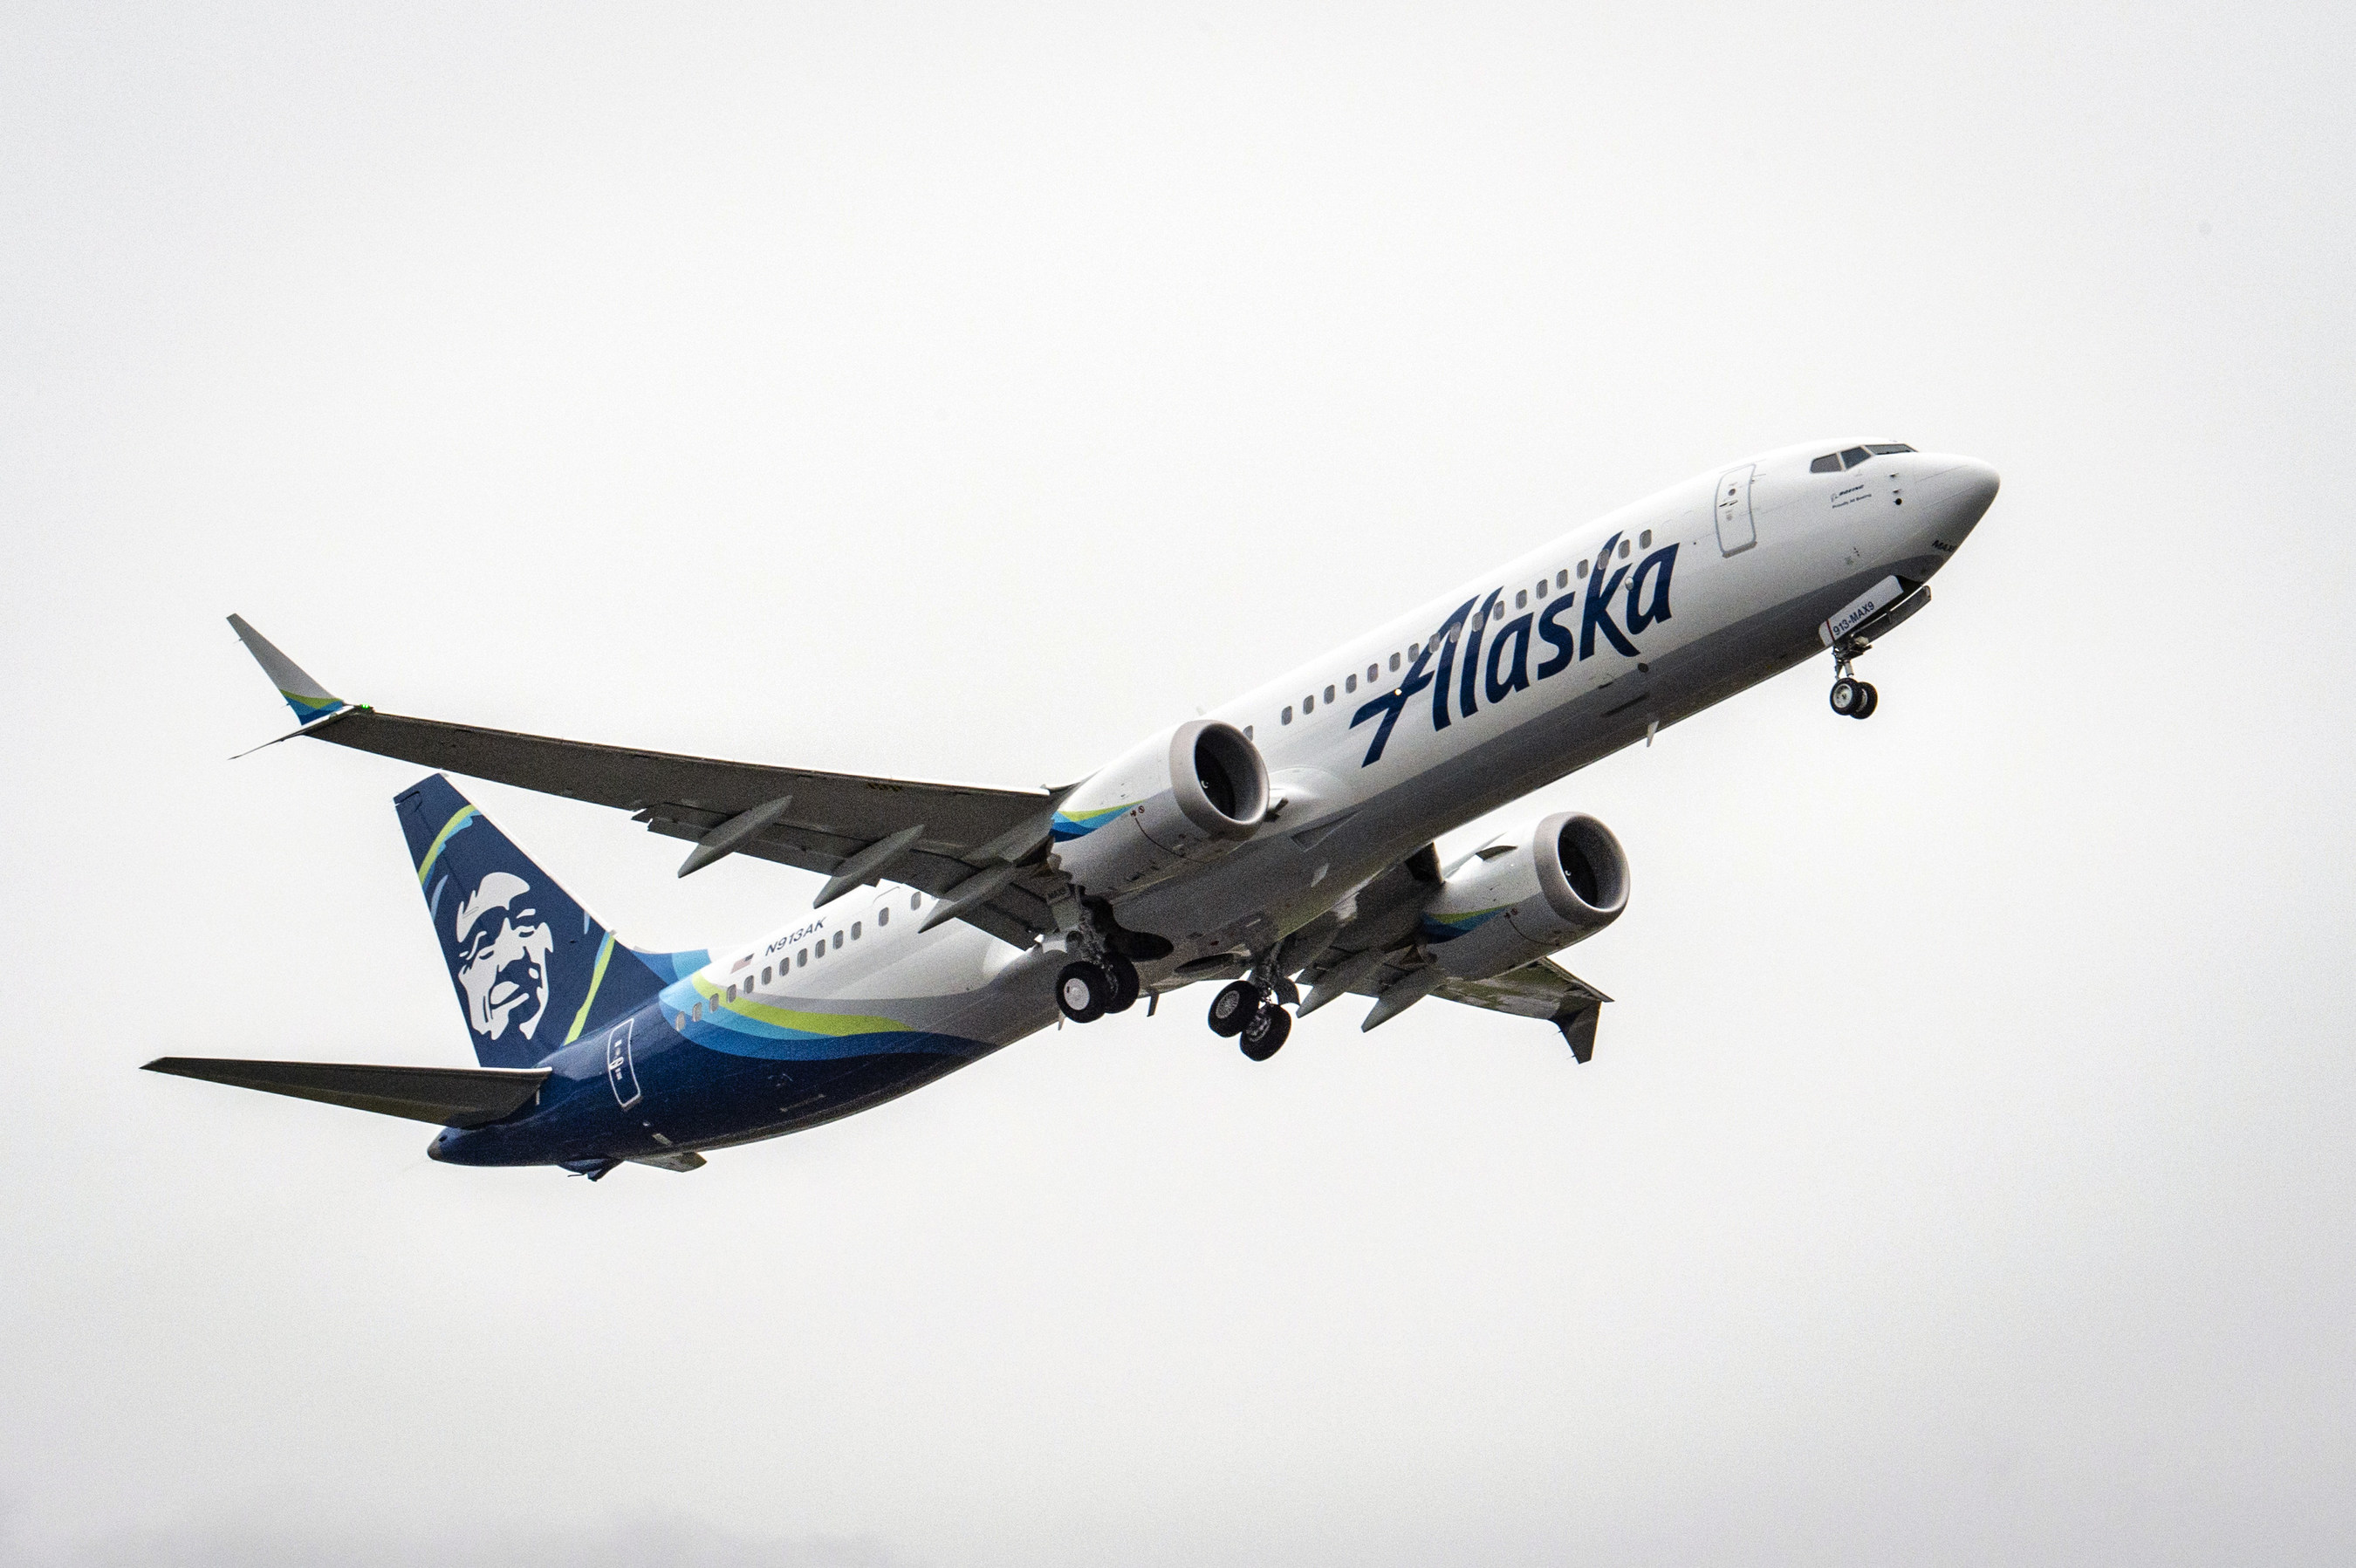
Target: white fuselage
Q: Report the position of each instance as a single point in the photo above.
(1764, 552)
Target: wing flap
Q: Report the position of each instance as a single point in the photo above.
(455, 1097)
(1538, 989)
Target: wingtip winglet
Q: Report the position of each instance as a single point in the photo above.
(310, 700)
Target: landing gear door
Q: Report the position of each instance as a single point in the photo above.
(1735, 533)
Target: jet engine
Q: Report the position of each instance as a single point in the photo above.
(1189, 794)
(1517, 902)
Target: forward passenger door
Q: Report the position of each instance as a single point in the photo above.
(1735, 532)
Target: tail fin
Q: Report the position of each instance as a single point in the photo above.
(533, 969)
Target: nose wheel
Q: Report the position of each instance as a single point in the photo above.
(1854, 699)
(1851, 698)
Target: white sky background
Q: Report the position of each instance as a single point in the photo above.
(1965, 1172)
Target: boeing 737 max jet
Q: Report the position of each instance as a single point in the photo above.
(1282, 847)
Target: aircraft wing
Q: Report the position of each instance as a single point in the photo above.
(1539, 989)
(1374, 951)
(974, 847)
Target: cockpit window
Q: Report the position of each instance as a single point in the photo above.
(1834, 462)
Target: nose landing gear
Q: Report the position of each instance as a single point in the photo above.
(1854, 699)
(1851, 698)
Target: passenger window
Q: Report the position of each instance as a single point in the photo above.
(766, 974)
(1328, 695)
(801, 959)
(1247, 731)
(681, 1022)
(1349, 683)
(1374, 673)
(917, 900)
(696, 1012)
(1582, 568)
(1644, 540)
(1623, 550)
(1853, 456)
(1562, 579)
(731, 991)
(1521, 597)
(1393, 663)
(1542, 588)
(1308, 706)
(838, 938)
(1829, 462)
(883, 916)
(854, 931)
(1285, 717)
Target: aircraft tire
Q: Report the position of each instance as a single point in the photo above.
(1125, 983)
(1082, 989)
(1848, 696)
(1231, 1009)
(1873, 700)
(1264, 1034)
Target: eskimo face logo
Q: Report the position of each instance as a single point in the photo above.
(1508, 669)
(501, 957)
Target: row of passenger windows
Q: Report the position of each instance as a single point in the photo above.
(799, 961)
(1834, 462)
(1562, 580)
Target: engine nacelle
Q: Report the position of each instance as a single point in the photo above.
(1190, 794)
(1568, 881)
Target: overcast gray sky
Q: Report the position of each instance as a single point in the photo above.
(1965, 1172)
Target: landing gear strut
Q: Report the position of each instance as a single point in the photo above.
(1852, 698)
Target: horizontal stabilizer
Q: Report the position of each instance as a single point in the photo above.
(455, 1097)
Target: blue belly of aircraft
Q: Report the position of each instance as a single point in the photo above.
(645, 1091)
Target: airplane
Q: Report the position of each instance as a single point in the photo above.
(1282, 847)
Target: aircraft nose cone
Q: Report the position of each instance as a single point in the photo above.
(1966, 490)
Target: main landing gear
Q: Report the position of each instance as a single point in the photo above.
(1851, 698)
(1087, 989)
(1250, 1014)
(1251, 1011)
(1102, 976)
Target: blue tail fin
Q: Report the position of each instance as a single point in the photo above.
(533, 969)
